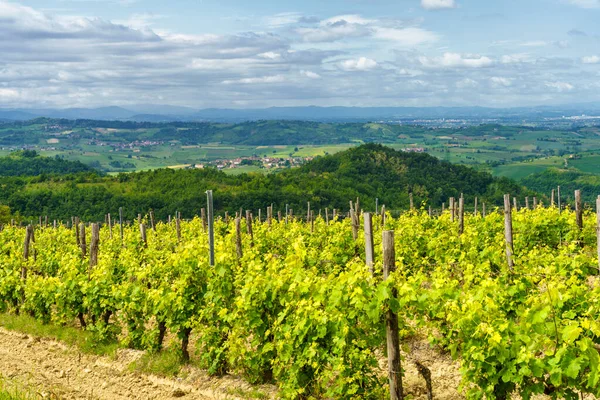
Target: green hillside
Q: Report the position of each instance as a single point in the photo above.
(29, 163)
(368, 171)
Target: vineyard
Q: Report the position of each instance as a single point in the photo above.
(305, 305)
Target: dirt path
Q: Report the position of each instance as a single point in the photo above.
(54, 370)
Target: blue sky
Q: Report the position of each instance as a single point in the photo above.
(233, 53)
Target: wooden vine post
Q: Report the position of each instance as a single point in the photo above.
(412, 204)
(94, 246)
(178, 228)
(287, 209)
(143, 234)
(578, 210)
(76, 226)
(527, 203)
(29, 237)
(552, 198)
(451, 206)
(475, 212)
(508, 234)
(82, 243)
(483, 210)
(249, 226)
(369, 254)
(391, 322)
(558, 198)
(152, 224)
(109, 226)
(383, 216)
(238, 236)
(461, 215)
(211, 229)
(308, 213)
(535, 202)
(203, 217)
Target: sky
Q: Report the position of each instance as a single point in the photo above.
(254, 54)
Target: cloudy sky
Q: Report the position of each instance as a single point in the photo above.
(241, 53)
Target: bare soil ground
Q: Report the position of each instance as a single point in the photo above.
(55, 371)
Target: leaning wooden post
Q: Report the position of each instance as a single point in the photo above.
(598, 230)
(249, 226)
(578, 210)
(369, 253)
(94, 246)
(508, 234)
(558, 198)
(178, 228)
(211, 229)
(238, 236)
(391, 322)
(461, 215)
(83, 243)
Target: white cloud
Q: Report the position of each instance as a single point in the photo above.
(534, 43)
(560, 86)
(256, 80)
(586, 3)
(516, 58)
(407, 36)
(467, 83)
(270, 55)
(139, 21)
(438, 4)
(455, 60)
(8, 94)
(349, 18)
(360, 64)
(282, 19)
(310, 74)
(590, 60)
(498, 81)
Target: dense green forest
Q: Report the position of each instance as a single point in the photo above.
(369, 171)
(569, 180)
(29, 163)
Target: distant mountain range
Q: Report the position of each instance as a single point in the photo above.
(166, 113)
